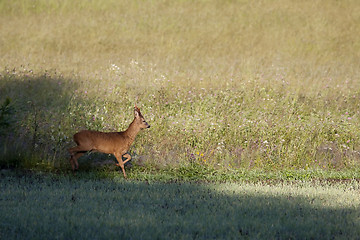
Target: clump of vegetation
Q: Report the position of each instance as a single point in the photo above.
(6, 111)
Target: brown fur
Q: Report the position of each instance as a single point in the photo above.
(116, 143)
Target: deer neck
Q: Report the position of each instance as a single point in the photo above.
(132, 130)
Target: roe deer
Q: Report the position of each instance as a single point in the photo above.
(116, 143)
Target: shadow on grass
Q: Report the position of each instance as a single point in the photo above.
(81, 207)
(39, 103)
(40, 128)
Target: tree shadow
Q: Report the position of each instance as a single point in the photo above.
(195, 211)
(101, 209)
(40, 105)
(41, 126)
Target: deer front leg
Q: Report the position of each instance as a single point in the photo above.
(127, 156)
(120, 163)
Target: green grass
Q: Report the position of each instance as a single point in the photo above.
(253, 107)
(222, 129)
(37, 206)
(210, 175)
(231, 86)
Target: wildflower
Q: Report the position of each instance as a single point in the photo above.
(199, 154)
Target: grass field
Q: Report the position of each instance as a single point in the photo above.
(271, 85)
(36, 206)
(253, 107)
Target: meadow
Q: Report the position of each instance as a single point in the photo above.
(227, 86)
(253, 107)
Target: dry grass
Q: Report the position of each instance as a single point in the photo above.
(233, 84)
(308, 42)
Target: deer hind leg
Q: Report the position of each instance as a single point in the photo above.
(71, 151)
(75, 153)
(72, 163)
(121, 162)
(74, 158)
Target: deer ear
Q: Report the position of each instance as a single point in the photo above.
(136, 112)
(136, 108)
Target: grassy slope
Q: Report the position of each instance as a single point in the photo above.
(271, 85)
(65, 207)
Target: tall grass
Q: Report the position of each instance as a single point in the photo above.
(224, 84)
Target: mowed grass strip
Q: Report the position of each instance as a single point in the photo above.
(66, 207)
